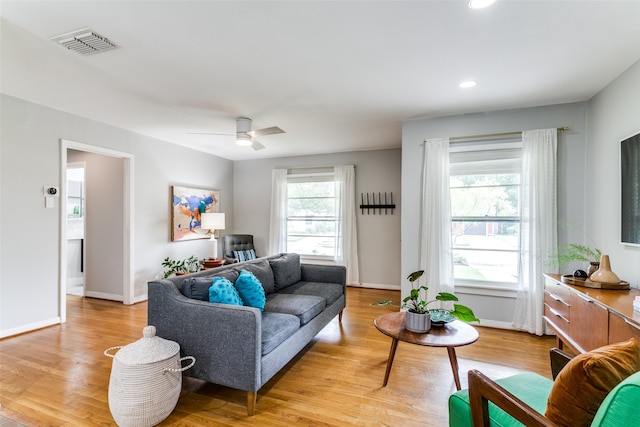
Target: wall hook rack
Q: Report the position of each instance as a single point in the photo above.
(379, 203)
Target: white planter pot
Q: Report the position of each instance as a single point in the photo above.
(418, 322)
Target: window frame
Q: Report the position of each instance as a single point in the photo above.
(321, 175)
(487, 157)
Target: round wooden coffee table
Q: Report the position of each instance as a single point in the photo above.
(451, 335)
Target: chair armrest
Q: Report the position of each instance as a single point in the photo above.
(482, 390)
(559, 359)
(324, 273)
(224, 339)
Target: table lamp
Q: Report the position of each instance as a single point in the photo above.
(212, 222)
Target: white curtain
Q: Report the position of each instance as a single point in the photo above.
(278, 222)
(435, 219)
(538, 226)
(347, 238)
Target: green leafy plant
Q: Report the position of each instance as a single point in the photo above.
(417, 303)
(575, 252)
(184, 266)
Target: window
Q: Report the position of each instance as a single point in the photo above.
(485, 214)
(311, 215)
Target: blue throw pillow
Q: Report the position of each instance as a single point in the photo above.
(244, 255)
(223, 292)
(250, 290)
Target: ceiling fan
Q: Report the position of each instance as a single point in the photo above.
(245, 136)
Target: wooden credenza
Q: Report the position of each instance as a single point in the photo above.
(585, 318)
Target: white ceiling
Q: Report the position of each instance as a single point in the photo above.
(335, 75)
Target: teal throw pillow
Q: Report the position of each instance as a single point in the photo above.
(223, 292)
(250, 290)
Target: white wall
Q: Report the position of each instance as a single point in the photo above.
(378, 235)
(612, 115)
(571, 180)
(29, 233)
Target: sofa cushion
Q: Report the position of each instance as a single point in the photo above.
(247, 255)
(222, 291)
(198, 287)
(585, 381)
(250, 290)
(306, 307)
(286, 270)
(277, 327)
(329, 291)
(262, 270)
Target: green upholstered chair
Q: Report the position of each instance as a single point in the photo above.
(522, 398)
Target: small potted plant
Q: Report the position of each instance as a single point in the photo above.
(419, 316)
(184, 266)
(575, 252)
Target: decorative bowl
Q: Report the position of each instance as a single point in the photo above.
(440, 317)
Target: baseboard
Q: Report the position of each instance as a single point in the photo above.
(102, 295)
(30, 327)
(375, 286)
(140, 298)
(494, 324)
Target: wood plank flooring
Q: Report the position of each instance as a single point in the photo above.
(58, 376)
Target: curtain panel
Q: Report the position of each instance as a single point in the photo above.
(538, 227)
(278, 221)
(347, 237)
(435, 219)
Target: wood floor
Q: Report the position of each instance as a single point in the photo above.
(58, 376)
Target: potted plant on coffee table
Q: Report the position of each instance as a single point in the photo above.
(419, 317)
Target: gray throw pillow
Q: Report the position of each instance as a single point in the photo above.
(286, 270)
(198, 287)
(262, 271)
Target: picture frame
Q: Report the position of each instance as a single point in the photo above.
(187, 204)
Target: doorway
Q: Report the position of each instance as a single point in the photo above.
(76, 209)
(116, 269)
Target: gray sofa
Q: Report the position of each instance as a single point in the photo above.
(239, 346)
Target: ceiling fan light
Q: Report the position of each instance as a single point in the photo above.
(243, 140)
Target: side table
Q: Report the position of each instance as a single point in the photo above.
(213, 263)
(451, 335)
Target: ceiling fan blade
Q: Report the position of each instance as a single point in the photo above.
(266, 131)
(257, 146)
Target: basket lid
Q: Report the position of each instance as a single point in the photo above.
(148, 349)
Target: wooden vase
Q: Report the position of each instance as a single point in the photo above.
(604, 273)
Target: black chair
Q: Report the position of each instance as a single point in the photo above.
(236, 242)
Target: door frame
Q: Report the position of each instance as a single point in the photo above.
(128, 220)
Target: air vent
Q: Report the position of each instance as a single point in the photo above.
(85, 42)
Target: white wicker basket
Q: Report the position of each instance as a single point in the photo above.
(146, 379)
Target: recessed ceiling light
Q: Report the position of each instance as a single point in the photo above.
(468, 83)
(480, 4)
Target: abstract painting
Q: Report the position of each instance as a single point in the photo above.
(186, 206)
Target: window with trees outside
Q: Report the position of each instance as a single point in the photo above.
(485, 216)
(311, 215)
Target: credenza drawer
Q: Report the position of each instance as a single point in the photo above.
(559, 291)
(558, 305)
(556, 320)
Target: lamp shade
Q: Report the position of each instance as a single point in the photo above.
(212, 221)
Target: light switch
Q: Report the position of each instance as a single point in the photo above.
(49, 202)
